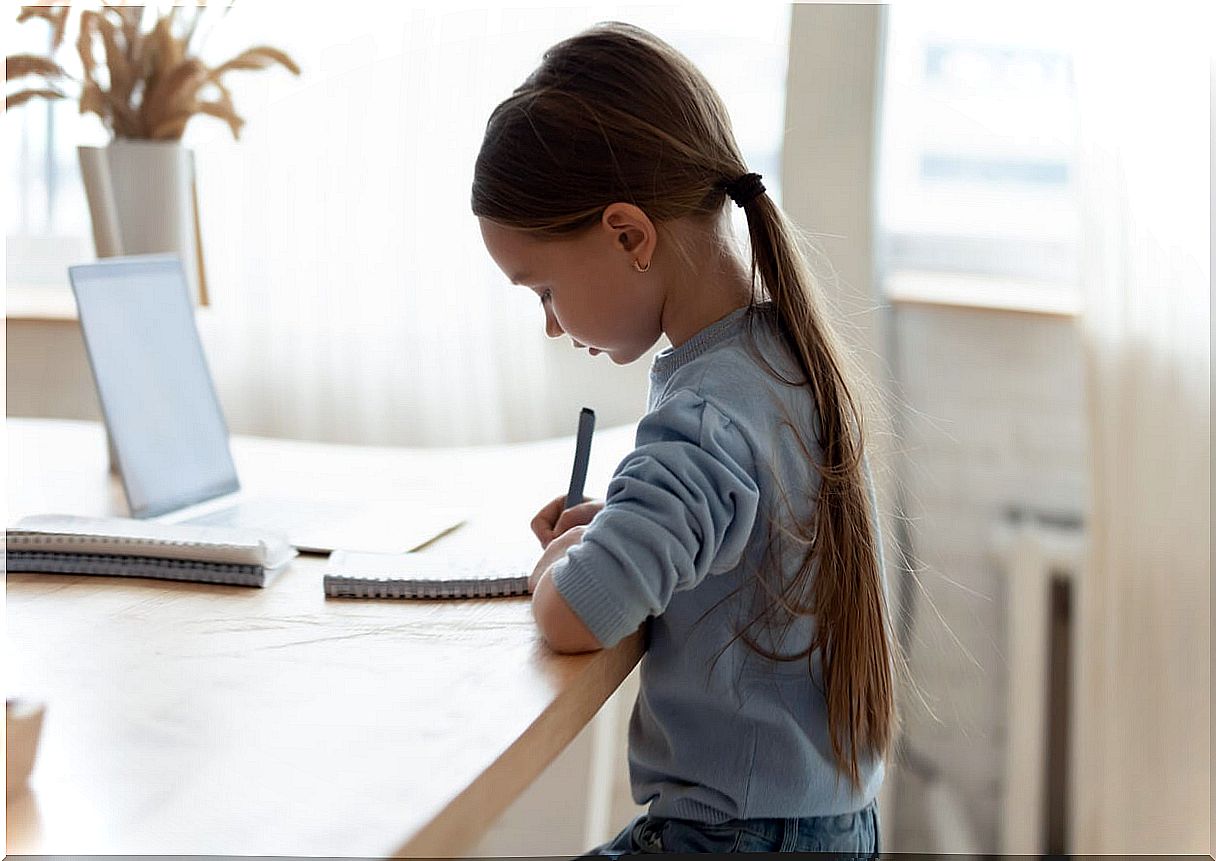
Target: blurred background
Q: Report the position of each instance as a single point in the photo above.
(1008, 207)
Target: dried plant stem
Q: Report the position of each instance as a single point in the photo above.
(152, 86)
(25, 95)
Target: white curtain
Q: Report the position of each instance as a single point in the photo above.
(353, 300)
(1143, 708)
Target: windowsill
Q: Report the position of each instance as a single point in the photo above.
(46, 304)
(982, 292)
(49, 304)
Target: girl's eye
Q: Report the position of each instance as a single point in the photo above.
(546, 296)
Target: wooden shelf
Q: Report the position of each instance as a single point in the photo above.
(960, 290)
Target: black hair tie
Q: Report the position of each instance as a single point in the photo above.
(745, 189)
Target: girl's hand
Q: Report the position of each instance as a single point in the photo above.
(555, 519)
(554, 552)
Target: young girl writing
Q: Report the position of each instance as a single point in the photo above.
(743, 526)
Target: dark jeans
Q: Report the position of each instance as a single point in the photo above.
(850, 835)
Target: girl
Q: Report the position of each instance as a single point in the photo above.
(742, 525)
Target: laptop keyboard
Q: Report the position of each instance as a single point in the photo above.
(279, 514)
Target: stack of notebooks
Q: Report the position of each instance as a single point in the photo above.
(118, 546)
(423, 575)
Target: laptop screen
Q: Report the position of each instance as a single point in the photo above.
(152, 379)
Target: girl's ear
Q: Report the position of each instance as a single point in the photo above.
(632, 231)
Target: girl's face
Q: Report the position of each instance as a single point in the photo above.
(587, 285)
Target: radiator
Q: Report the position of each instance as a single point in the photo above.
(1043, 557)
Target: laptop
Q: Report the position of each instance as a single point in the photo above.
(168, 433)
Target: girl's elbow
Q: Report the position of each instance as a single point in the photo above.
(563, 631)
(573, 645)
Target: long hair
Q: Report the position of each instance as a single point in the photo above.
(616, 114)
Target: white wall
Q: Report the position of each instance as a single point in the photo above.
(995, 417)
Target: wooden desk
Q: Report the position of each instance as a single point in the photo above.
(187, 718)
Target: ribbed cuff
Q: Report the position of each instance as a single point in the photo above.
(599, 610)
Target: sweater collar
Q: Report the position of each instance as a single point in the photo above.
(668, 361)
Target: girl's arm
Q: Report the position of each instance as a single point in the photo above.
(679, 508)
(561, 628)
(558, 624)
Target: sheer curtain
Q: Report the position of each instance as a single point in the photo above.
(1143, 714)
(353, 299)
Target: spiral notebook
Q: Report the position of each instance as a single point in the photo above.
(124, 547)
(423, 575)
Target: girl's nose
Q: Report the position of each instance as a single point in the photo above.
(552, 329)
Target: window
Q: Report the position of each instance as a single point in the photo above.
(977, 163)
(48, 221)
(48, 225)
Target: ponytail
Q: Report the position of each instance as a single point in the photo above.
(846, 599)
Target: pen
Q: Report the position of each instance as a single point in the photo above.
(582, 453)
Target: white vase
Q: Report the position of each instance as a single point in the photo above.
(142, 201)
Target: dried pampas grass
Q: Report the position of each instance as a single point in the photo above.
(147, 84)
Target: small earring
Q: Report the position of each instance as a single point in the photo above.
(639, 267)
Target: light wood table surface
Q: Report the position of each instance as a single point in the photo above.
(188, 718)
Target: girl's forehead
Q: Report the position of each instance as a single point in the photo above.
(517, 253)
(499, 239)
(507, 238)
(523, 256)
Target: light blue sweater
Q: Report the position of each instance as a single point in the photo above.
(679, 539)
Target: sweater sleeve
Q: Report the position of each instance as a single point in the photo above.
(681, 506)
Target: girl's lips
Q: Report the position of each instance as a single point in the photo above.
(594, 351)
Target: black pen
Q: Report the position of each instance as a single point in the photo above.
(582, 454)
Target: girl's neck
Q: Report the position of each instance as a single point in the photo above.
(716, 284)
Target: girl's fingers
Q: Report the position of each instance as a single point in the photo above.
(555, 519)
(542, 530)
(579, 515)
(545, 521)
